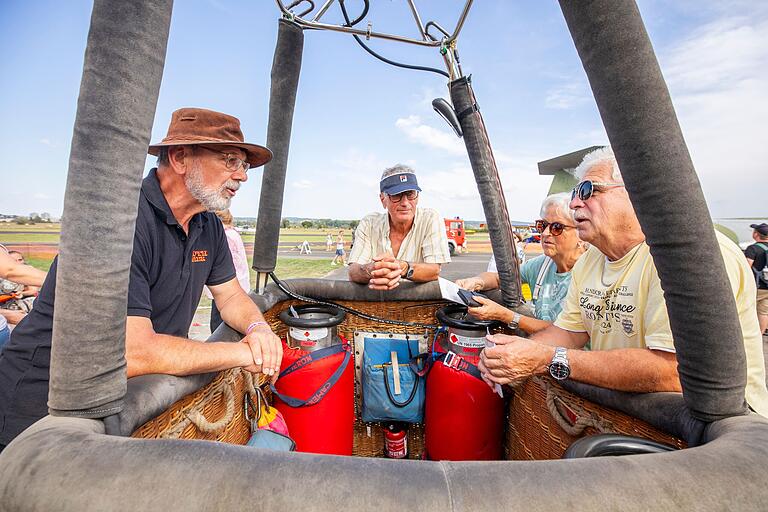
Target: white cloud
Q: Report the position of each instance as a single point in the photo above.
(717, 77)
(302, 184)
(40, 195)
(567, 96)
(430, 137)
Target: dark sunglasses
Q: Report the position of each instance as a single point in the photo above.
(555, 228)
(585, 189)
(411, 195)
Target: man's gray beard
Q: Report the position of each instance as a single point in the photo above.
(211, 199)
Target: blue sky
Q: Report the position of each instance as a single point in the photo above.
(356, 115)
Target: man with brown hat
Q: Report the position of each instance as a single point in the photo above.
(179, 246)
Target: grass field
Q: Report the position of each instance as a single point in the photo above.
(12, 226)
(26, 238)
(40, 263)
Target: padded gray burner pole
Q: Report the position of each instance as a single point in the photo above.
(123, 67)
(286, 68)
(489, 186)
(642, 126)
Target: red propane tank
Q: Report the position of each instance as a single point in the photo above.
(327, 425)
(463, 417)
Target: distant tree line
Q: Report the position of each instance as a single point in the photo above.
(320, 224)
(34, 218)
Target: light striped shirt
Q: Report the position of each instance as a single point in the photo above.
(426, 242)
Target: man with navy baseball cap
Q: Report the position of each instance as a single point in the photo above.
(405, 242)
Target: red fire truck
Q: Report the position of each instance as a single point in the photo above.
(454, 229)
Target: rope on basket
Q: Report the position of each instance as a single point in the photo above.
(196, 417)
(583, 418)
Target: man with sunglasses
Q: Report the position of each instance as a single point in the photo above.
(179, 246)
(405, 242)
(615, 302)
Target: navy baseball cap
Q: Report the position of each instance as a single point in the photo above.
(399, 183)
(760, 228)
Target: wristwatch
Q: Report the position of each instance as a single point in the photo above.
(559, 368)
(515, 320)
(408, 271)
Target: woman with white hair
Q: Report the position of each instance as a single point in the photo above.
(547, 275)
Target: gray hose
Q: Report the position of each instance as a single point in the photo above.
(121, 79)
(642, 126)
(286, 68)
(491, 191)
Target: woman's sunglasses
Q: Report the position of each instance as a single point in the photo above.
(555, 228)
(585, 189)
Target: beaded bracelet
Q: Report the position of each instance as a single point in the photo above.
(253, 326)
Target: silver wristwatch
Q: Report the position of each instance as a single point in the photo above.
(559, 368)
(515, 320)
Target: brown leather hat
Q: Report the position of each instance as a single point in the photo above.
(206, 127)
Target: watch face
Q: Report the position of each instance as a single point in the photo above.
(559, 371)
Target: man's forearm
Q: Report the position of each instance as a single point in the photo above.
(171, 355)
(13, 316)
(240, 311)
(557, 337)
(425, 272)
(358, 273)
(639, 370)
(25, 274)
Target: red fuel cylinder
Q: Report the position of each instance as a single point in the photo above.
(463, 417)
(325, 426)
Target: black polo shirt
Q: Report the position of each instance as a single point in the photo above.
(168, 270)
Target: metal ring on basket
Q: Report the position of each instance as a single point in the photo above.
(448, 316)
(335, 316)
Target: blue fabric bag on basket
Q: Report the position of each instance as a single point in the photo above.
(381, 402)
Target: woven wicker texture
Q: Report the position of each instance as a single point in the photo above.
(533, 433)
(212, 400)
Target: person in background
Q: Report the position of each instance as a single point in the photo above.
(547, 275)
(239, 259)
(615, 302)
(16, 271)
(757, 257)
(328, 242)
(339, 249)
(405, 242)
(29, 291)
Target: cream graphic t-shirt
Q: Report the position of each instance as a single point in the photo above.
(620, 304)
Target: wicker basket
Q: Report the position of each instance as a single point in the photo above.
(532, 431)
(535, 433)
(213, 400)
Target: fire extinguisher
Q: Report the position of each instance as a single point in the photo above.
(396, 441)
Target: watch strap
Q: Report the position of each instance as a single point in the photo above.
(515, 320)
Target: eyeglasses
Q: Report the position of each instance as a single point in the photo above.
(555, 228)
(586, 188)
(408, 194)
(232, 162)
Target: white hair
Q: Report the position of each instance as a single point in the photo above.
(599, 156)
(396, 169)
(560, 203)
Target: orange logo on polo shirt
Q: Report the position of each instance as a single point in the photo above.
(199, 256)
